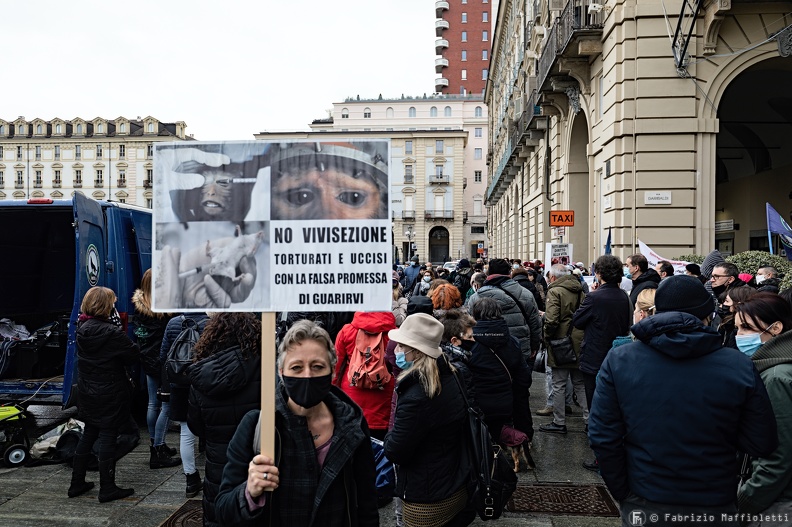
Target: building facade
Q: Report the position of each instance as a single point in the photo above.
(109, 159)
(593, 110)
(464, 30)
(437, 168)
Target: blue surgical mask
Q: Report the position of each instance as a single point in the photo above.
(401, 362)
(627, 273)
(748, 344)
(427, 278)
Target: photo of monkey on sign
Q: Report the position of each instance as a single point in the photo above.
(330, 180)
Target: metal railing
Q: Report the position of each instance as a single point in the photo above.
(442, 178)
(408, 214)
(439, 214)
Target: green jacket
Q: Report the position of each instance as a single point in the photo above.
(563, 298)
(771, 478)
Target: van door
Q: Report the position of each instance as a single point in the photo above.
(90, 271)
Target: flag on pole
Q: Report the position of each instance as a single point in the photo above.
(608, 243)
(777, 225)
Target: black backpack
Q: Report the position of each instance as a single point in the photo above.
(180, 355)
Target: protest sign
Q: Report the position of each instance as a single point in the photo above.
(653, 258)
(558, 253)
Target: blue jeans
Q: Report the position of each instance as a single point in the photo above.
(158, 413)
(187, 448)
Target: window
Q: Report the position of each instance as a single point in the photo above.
(122, 178)
(2, 129)
(21, 129)
(439, 146)
(79, 129)
(477, 208)
(478, 111)
(464, 75)
(447, 111)
(367, 113)
(38, 128)
(344, 113)
(464, 1)
(20, 180)
(408, 147)
(98, 151)
(57, 151)
(38, 153)
(122, 128)
(439, 171)
(1, 152)
(477, 132)
(121, 151)
(149, 151)
(464, 18)
(58, 128)
(151, 125)
(477, 230)
(485, 17)
(77, 152)
(408, 173)
(464, 36)
(19, 153)
(57, 179)
(484, 55)
(411, 111)
(433, 111)
(484, 74)
(2, 179)
(149, 203)
(477, 153)
(477, 176)
(78, 177)
(98, 181)
(38, 181)
(99, 128)
(122, 200)
(389, 113)
(484, 35)
(149, 175)
(464, 55)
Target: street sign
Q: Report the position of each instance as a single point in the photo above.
(560, 231)
(562, 218)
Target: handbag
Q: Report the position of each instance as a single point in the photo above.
(541, 360)
(494, 480)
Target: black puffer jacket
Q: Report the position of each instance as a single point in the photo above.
(526, 282)
(648, 280)
(223, 388)
(103, 352)
(427, 442)
(149, 330)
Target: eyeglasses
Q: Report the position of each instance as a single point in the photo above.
(718, 276)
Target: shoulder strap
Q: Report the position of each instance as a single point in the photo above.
(502, 363)
(580, 301)
(519, 305)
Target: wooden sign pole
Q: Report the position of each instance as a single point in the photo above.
(268, 355)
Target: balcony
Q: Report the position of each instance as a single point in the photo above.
(440, 25)
(464, 216)
(443, 179)
(409, 180)
(439, 8)
(77, 183)
(146, 183)
(121, 182)
(38, 183)
(440, 45)
(439, 215)
(441, 83)
(440, 64)
(57, 183)
(2, 183)
(408, 214)
(19, 184)
(575, 36)
(98, 183)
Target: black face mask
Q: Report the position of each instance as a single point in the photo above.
(307, 391)
(467, 345)
(718, 289)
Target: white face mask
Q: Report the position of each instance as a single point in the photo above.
(515, 266)
(760, 278)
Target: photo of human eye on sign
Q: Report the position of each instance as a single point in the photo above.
(272, 226)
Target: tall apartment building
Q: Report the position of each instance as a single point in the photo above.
(464, 31)
(593, 109)
(108, 159)
(437, 168)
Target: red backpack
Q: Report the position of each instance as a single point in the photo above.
(367, 367)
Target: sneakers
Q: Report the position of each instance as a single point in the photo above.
(547, 410)
(592, 465)
(554, 428)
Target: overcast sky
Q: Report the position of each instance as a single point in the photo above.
(229, 69)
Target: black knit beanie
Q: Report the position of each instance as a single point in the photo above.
(684, 293)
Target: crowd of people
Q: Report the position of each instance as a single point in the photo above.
(683, 384)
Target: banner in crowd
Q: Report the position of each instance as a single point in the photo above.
(653, 258)
(776, 224)
(558, 253)
(272, 226)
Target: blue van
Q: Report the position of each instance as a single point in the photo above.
(53, 251)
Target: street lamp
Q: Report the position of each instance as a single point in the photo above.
(410, 235)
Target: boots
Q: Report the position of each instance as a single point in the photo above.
(161, 459)
(78, 484)
(194, 484)
(171, 450)
(108, 491)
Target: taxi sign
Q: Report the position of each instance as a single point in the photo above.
(562, 218)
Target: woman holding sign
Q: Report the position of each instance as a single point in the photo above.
(323, 472)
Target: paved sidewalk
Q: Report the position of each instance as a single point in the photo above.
(36, 497)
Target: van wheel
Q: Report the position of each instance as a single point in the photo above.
(16, 455)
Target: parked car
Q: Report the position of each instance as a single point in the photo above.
(451, 265)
